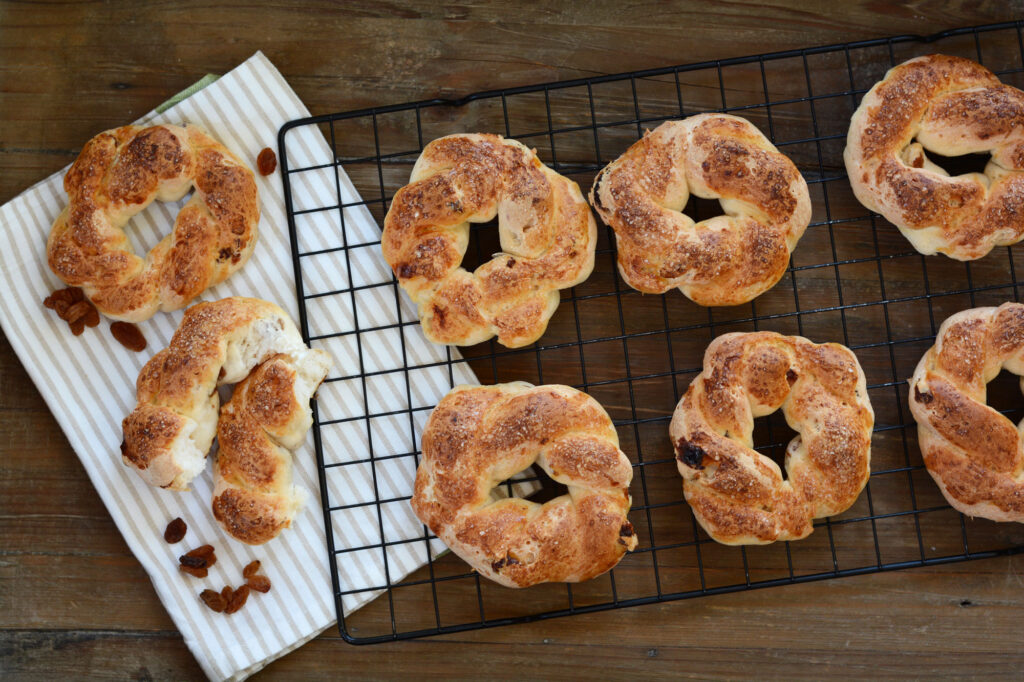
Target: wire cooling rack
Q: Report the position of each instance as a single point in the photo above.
(853, 279)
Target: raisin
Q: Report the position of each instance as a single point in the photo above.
(65, 296)
(194, 572)
(226, 593)
(61, 306)
(266, 161)
(92, 318)
(193, 561)
(690, 454)
(204, 552)
(251, 568)
(260, 583)
(77, 312)
(128, 335)
(175, 532)
(77, 327)
(237, 600)
(213, 600)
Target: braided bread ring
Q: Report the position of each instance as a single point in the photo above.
(268, 416)
(117, 175)
(952, 106)
(547, 233)
(974, 453)
(738, 495)
(168, 434)
(725, 260)
(478, 436)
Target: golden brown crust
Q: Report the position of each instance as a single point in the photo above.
(725, 260)
(951, 106)
(119, 173)
(548, 237)
(974, 453)
(167, 435)
(254, 498)
(479, 436)
(738, 495)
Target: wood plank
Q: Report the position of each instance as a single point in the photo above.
(719, 636)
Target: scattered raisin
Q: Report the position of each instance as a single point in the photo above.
(176, 530)
(204, 552)
(63, 296)
(226, 593)
(266, 161)
(251, 568)
(92, 318)
(128, 335)
(213, 599)
(260, 583)
(194, 572)
(77, 311)
(237, 600)
(193, 561)
(71, 306)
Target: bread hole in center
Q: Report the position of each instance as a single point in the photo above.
(771, 437)
(532, 484)
(1003, 394)
(960, 165)
(484, 242)
(699, 209)
(146, 228)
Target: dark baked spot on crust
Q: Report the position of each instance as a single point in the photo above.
(922, 397)
(690, 454)
(626, 531)
(507, 560)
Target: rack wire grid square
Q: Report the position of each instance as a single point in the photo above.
(853, 279)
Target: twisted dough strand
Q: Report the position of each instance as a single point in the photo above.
(738, 495)
(168, 434)
(267, 417)
(548, 237)
(479, 436)
(974, 453)
(117, 175)
(952, 106)
(724, 260)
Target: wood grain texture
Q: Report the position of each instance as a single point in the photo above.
(74, 602)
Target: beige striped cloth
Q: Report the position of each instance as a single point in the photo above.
(89, 384)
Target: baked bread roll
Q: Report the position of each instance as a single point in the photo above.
(267, 417)
(949, 106)
(739, 495)
(118, 174)
(725, 260)
(478, 436)
(168, 434)
(548, 237)
(974, 453)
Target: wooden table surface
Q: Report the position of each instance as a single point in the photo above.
(73, 600)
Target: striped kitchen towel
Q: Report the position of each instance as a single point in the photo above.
(89, 384)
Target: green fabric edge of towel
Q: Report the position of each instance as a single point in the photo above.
(188, 92)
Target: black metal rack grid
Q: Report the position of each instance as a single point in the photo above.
(853, 279)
